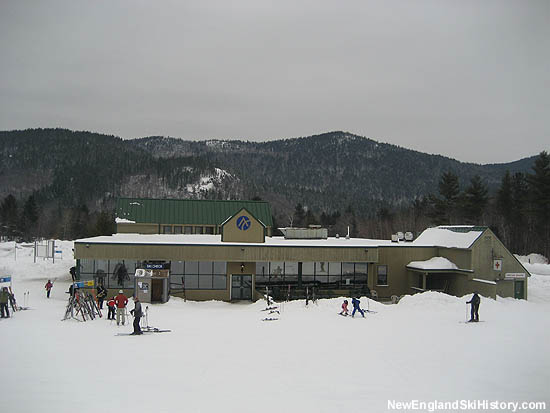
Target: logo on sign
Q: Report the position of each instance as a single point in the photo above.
(497, 265)
(243, 223)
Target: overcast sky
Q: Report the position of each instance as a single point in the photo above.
(465, 79)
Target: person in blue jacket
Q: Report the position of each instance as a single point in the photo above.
(356, 306)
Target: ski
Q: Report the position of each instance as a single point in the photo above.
(143, 333)
(155, 330)
(471, 322)
(270, 319)
(270, 308)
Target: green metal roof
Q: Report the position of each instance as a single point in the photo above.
(188, 211)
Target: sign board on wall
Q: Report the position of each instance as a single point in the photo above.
(514, 275)
(497, 265)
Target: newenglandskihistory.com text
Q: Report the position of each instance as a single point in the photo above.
(465, 405)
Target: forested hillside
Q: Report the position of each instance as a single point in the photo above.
(337, 179)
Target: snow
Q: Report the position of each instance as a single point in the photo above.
(435, 263)
(445, 237)
(221, 357)
(202, 239)
(124, 221)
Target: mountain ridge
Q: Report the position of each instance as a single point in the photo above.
(326, 172)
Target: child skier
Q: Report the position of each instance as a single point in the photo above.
(111, 309)
(356, 307)
(344, 308)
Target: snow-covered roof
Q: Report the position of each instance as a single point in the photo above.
(202, 239)
(458, 236)
(435, 263)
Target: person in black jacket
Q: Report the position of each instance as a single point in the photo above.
(101, 295)
(137, 313)
(474, 312)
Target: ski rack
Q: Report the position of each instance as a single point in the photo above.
(82, 307)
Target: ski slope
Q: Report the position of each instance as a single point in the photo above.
(222, 357)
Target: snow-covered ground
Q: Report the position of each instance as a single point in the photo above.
(223, 357)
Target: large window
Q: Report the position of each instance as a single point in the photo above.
(308, 272)
(205, 275)
(382, 275)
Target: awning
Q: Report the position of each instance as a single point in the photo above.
(436, 265)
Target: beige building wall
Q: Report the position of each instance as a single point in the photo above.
(397, 258)
(489, 248)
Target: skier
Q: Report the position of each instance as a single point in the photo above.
(4, 299)
(121, 300)
(356, 307)
(344, 308)
(137, 313)
(474, 315)
(111, 305)
(48, 288)
(101, 294)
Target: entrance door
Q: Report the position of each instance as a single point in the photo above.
(241, 287)
(156, 290)
(519, 286)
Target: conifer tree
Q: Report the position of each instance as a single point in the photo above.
(474, 201)
(539, 189)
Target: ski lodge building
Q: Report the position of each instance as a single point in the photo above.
(224, 250)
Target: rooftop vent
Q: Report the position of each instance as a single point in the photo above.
(305, 233)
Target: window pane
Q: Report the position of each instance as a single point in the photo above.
(130, 266)
(86, 266)
(335, 268)
(167, 229)
(308, 268)
(198, 230)
(291, 268)
(291, 271)
(219, 282)
(347, 268)
(262, 268)
(177, 229)
(220, 267)
(361, 271)
(191, 281)
(205, 282)
(382, 271)
(262, 272)
(277, 268)
(361, 268)
(177, 268)
(321, 268)
(188, 229)
(205, 267)
(191, 267)
(103, 265)
(208, 230)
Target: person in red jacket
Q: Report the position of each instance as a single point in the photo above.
(111, 305)
(121, 300)
(344, 308)
(48, 288)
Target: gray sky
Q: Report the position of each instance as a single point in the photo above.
(465, 79)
